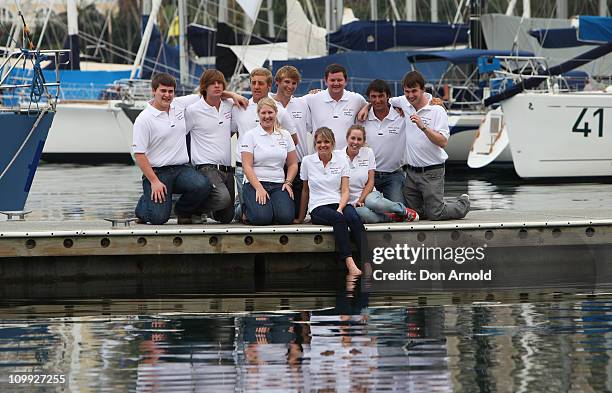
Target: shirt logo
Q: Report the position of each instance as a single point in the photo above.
(348, 112)
(180, 115)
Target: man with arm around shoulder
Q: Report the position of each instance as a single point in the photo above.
(427, 135)
(160, 151)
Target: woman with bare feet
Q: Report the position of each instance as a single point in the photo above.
(326, 191)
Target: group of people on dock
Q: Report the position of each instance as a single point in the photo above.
(398, 176)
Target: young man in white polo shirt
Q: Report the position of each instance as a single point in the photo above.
(385, 133)
(160, 151)
(244, 120)
(209, 123)
(427, 135)
(335, 107)
(287, 79)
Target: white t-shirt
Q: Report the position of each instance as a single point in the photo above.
(210, 132)
(244, 120)
(336, 115)
(325, 183)
(160, 135)
(298, 110)
(269, 153)
(388, 140)
(359, 167)
(420, 151)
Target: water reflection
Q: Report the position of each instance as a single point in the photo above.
(337, 340)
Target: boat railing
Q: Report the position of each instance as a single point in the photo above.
(36, 88)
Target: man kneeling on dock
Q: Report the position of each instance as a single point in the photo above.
(160, 151)
(427, 135)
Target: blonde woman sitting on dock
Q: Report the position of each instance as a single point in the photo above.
(268, 196)
(370, 204)
(326, 191)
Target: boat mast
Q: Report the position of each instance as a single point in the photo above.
(603, 8)
(183, 49)
(476, 37)
(562, 9)
(150, 11)
(411, 11)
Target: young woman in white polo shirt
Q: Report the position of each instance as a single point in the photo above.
(325, 176)
(370, 204)
(265, 149)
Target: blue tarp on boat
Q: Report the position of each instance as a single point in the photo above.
(557, 38)
(362, 68)
(461, 56)
(381, 35)
(595, 29)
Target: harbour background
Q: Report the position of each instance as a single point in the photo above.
(301, 332)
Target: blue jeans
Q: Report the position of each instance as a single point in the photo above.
(391, 185)
(178, 179)
(277, 210)
(375, 207)
(328, 215)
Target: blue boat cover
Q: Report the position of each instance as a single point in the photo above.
(461, 56)
(595, 29)
(381, 35)
(362, 68)
(557, 38)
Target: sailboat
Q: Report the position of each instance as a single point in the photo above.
(555, 132)
(24, 128)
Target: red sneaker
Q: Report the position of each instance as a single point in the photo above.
(411, 215)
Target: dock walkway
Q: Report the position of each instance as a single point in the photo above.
(565, 235)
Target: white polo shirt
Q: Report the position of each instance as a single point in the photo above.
(210, 132)
(359, 167)
(336, 115)
(325, 183)
(244, 120)
(387, 138)
(298, 110)
(160, 135)
(420, 151)
(269, 153)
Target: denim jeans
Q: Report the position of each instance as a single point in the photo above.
(178, 179)
(239, 176)
(298, 184)
(375, 207)
(328, 215)
(391, 184)
(277, 210)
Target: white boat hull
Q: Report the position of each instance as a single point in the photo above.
(560, 135)
(464, 126)
(89, 132)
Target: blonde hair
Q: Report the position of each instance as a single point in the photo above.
(287, 72)
(326, 133)
(267, 101)
(262, 72)
(356, 127)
